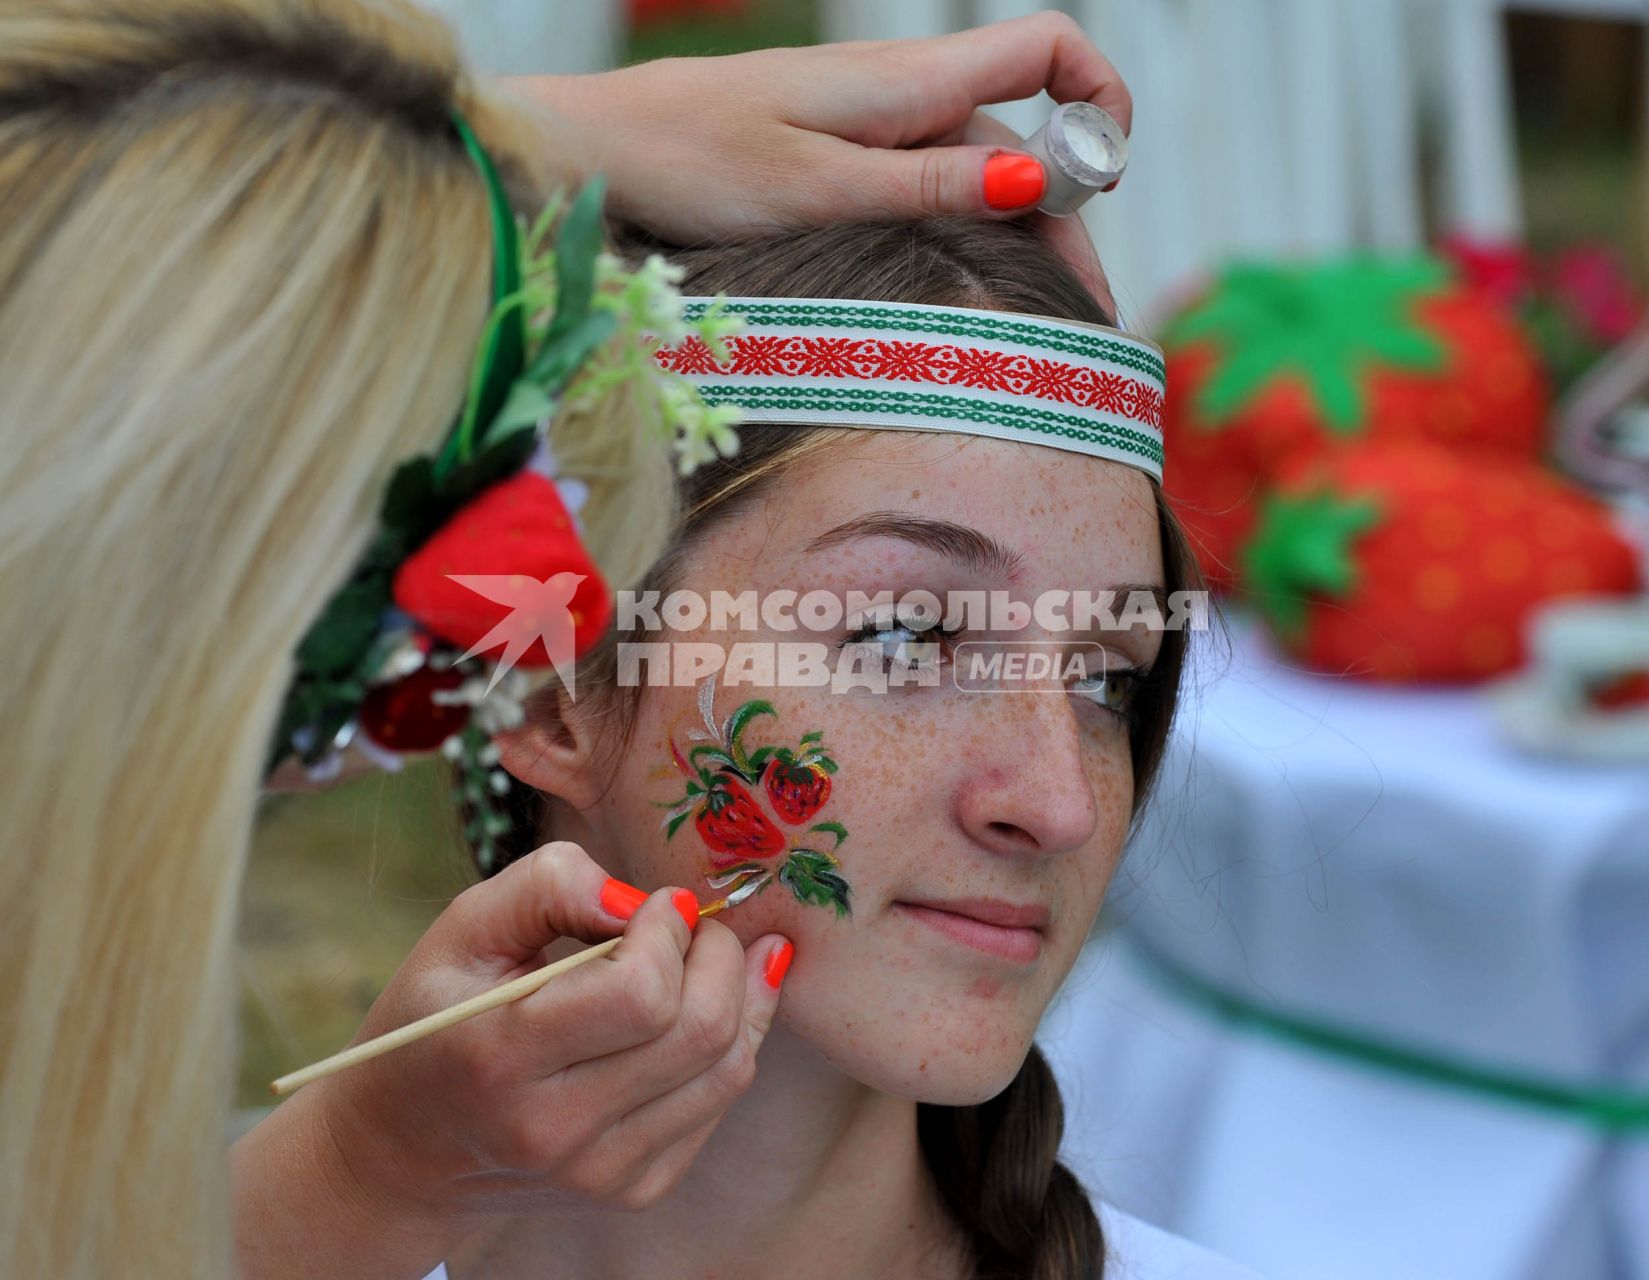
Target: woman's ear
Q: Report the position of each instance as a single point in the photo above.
(553, 749)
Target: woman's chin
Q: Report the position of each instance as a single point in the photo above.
(955, 1082)
(942, 1073)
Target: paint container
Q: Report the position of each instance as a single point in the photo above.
(1083, 150)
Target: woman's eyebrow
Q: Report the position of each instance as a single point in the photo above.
(1122, 593)
(968, 547)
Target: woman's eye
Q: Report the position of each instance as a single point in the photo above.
(903, 647)
(1114, 690)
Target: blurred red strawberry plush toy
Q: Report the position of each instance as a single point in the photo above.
(519, 526)
(1279, 362)
(1406, 561)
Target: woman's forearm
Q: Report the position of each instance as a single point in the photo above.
(738, 146)
(302, 1211)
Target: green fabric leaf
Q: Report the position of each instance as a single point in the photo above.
(501, 458)
(1304, 547)
(335, 644)
(1409, 349)
(577, 245)
(1338, 396)
(411, 504)
(561, 357)
(1240, 377)
(526, 406)
(1326, 323)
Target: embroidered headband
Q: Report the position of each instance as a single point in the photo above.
(826, 362)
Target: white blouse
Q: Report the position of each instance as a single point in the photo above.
(1135, 1250)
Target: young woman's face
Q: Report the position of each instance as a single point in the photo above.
(946, 805)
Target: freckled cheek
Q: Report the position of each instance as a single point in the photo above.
(1113, 793)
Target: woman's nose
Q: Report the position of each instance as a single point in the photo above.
(1028, 792)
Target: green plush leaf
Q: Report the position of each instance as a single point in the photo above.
(577, 245)
(526, 406)
(1239, 378)
(411, 504)
(1337, 396)
(504, 346)
(501, 458)
(562, 356)
(1409, 349)
(337, 641)
(1327, 323)
(1304, 547)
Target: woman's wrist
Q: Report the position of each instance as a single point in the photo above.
(305, 1205)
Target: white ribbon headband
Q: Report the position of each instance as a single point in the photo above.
(826, 362)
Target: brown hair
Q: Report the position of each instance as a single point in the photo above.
(1023, 1214)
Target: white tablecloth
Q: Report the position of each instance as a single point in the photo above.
(1378, 859)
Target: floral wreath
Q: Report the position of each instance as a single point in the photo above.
(390, 666)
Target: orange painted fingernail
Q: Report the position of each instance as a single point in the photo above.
(1111, 185)
(687, 903)
(1013, 180)
(778, 964)
(620, 899)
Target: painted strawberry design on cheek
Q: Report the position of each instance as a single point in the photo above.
(733, 826)
(799, 784)
(732, 822)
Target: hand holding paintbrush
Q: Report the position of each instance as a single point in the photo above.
(507, 992)
(599, 1086)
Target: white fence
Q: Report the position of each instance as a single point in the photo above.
(1263, 126)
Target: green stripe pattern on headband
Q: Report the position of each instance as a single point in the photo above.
(828, 362)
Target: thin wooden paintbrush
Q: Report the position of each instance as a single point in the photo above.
(515, 989)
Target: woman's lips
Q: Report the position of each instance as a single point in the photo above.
(997, 928)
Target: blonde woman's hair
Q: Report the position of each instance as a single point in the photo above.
(244, 262)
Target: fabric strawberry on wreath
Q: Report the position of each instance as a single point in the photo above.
(477, 571)
(1408, 561)
(1279, 362)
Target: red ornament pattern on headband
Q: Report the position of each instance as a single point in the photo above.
(935, 364)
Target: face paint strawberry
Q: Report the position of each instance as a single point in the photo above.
(732, 824)
(798, 784)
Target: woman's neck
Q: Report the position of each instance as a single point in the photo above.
(811, 1174)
